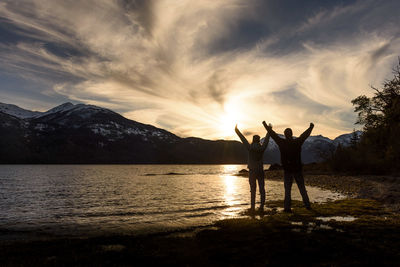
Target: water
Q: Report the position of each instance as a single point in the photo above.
(88, 199)
(337, 218)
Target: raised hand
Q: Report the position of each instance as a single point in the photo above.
(267, 126)
(311, 125)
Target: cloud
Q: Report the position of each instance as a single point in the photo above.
(217, 88)
(141, 12)
(198, 67)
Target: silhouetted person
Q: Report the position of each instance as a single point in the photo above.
(256, 167)
(291, 162)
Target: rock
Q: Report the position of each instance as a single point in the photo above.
(275, 167)
(243, 171)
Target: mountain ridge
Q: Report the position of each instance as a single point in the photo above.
(82, 133)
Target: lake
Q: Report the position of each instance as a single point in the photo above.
(77, 200)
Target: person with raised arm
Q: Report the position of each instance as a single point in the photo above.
(256, 167)
(290, 149)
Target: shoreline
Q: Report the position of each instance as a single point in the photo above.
(385, 189)
(361, 230)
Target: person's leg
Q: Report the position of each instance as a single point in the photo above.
(287, 181)
(298, 176)
(261, 188)
(252, 182)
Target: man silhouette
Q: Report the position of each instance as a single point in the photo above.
(256, 167)
(290, 149)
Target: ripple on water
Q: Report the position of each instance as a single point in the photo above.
(128, 197)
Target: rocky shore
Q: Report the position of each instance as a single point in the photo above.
(385, 189)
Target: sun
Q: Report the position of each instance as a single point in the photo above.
(228, 118)
(227, 121)
(227, 124)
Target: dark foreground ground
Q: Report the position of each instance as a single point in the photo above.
(281, 239)
(366, 232)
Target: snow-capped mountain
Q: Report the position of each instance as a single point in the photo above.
(100, 121)
(61, 108)
(315, 148)
(83, 133)
(89, 134)
(345, 139)
(18, 112)
(81, 115)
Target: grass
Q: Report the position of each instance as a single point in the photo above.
(278, 238)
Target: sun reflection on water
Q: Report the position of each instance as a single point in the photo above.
(230, 187)
(86, 199)
(230, 194)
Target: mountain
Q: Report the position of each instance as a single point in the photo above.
(315, 149)
(345, 139)
(82, 133)
(18, 112)
(89, 134)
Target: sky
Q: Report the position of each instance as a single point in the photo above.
(197, 68)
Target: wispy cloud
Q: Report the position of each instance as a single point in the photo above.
(198, 67)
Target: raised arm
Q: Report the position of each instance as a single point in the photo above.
(271, 132)
(266, 141)
(241, 136)
(306, 133)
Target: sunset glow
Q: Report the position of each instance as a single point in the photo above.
(196, 68)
